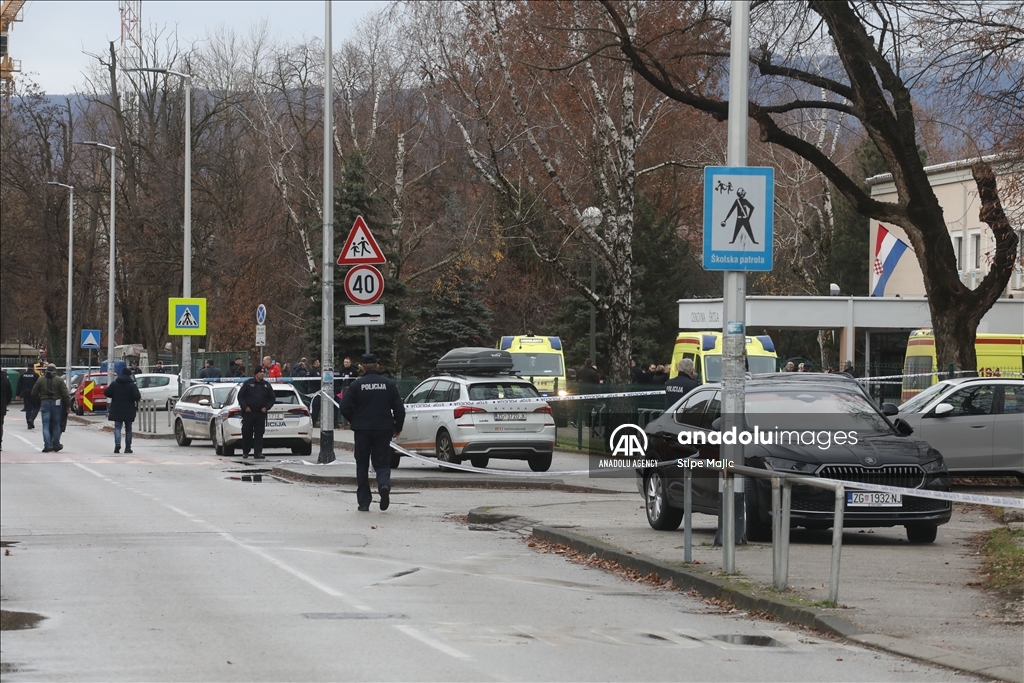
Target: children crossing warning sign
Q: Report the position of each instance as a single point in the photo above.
(360, 247)
(186, 317)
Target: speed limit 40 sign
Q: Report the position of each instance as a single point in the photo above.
(364, 284)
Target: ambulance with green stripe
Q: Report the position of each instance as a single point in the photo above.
(540, 360)
(705, 350)
(999, 355)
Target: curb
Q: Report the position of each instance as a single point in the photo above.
(750, 600)
(440, 483)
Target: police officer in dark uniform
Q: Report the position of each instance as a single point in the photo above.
(255, 398)
(373, 406)
(681, 384)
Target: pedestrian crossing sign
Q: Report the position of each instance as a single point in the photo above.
(186, 317)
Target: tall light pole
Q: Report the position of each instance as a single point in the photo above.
(71, 272)
(591, 219)
(110, 284)
(326, 454)
(186, 287)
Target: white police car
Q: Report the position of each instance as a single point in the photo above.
(288, 423)
(193, 414)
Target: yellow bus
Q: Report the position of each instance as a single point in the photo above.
(999, 355)
(705, 350)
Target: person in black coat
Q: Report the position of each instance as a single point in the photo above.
(25, 384)
(587, 374)
(681, 384)
(374, 407)
(5, 399)
(123, 398)
(255, 398)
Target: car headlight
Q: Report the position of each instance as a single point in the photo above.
(934, 463)
(563, 392)
(786, 465)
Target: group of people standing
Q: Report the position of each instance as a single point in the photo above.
(653, 374)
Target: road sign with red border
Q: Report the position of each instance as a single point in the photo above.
(364, 284)
(360, 247)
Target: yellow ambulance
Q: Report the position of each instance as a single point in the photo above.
(705, 350)
(540, 360)
(999, 355)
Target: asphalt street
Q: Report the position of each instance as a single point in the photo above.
(166, 565)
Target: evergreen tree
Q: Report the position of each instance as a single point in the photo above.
(450, 315)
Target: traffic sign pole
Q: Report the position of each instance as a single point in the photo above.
(327, 277)
(731, 528)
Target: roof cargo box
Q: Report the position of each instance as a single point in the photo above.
(473, 360)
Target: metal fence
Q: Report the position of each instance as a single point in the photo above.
(145, 417)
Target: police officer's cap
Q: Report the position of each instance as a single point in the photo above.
(369, 359)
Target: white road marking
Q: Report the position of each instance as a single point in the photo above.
(427, 640)
(19, 436)
(259, 552)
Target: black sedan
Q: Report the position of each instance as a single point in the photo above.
(826, 429)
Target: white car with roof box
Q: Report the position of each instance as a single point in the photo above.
(475, 411)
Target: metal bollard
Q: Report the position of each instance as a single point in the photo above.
(687, 515)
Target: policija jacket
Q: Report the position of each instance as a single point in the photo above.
(372, 402)
(256, 396)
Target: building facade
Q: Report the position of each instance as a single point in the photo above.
(973, 242)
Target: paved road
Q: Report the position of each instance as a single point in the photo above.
(165, 565)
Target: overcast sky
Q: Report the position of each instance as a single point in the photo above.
(51, 39)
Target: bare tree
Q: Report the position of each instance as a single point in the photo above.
(872, 78)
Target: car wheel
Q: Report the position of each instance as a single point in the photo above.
(659, 515)
(540, 463)
(179, 434)
(922, 533)
(79, 410)
(396, 460)
(229, 450)
(479, 462)
(446, 450)
(213, 437)
(306, 449)
(757, 529)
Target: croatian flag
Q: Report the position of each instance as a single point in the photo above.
(888, 250)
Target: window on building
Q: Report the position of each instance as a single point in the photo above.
(976, 248)
(958, 247)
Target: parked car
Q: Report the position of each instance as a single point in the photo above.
(160, 387)
(93, 384)
(976, 422)
(883, 453)
(193, 414)
(288, 423)
(477, 431)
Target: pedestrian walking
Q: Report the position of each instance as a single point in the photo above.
(681, 384)
(375, 409)
(255, 398)
(52, 395)
(5, 399)
(123, 398)
(25, 383)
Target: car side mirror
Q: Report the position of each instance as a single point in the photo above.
(943, 409)
(204, 401)
(890, 409)
(716, 424)
(902, 428)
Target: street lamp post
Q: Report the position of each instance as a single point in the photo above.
(71, 272)
(592, 218)
(186, 288)
(110, 283)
